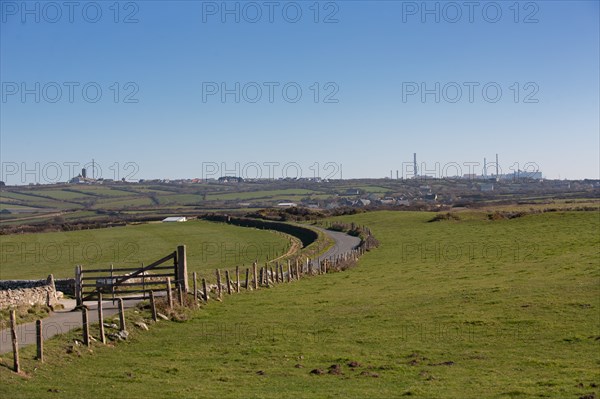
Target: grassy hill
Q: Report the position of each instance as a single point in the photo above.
(469, 308)
(209, 245)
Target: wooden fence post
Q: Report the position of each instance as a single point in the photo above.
(228, 282)
(254, 276)
(182, 276)
(78, 288)
(101, 319)
(273, 276)
(247, 279)
(266, 274)
(153, 306)
(204, 291)
(237, 279)
(219, 283)
(121, 315)
(86, 326)
(289, 275)
(15, 344)
(39, 339)
(169, 293)
(195, 289)
(180, 294)
(297, 270)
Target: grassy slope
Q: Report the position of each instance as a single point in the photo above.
(209, 245)
(516, 324)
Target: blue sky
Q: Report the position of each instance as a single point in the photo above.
(361, 69)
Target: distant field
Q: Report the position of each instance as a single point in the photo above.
(453, 309)
(259, 194)
(209, 245)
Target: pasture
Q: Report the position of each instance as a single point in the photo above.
(209, 245)
(468, 308)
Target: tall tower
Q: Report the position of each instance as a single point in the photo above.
(497, 174)
(415, 170)
(484, 167)
(83, 173)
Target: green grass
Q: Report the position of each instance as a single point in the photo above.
(512, 304)
(259, 194)
(209, 245)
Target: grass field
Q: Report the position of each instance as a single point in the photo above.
(453, 309)
(209, 245)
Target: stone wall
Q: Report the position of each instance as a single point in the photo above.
(16, 293)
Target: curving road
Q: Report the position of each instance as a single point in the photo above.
(62, 321)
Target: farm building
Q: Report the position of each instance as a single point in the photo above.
(175, 219)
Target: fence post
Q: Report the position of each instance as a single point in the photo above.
(237, 279)
(169, 293)
(78, 294)
(219, 283)
(204, 291)
(101, 318)
(289, 275)
(153, 306)
(180, 294)
(247, 278)
(182, 276)
(195, 289)
(39, 339)
(228, 282)
(254, 276)
(121, 315)
(86, 326)
(15, 344)
(297, 270)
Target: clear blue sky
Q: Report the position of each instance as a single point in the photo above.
(369, 61)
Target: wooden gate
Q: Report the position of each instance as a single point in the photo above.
(132, 283)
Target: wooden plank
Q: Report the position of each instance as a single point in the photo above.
(125, 269)
(145, 269)
(228, 282)
(247, 278)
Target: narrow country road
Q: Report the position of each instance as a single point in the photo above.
(62, 321)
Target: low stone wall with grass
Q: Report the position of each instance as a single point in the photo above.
(19, 293)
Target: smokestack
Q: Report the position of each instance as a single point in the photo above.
(397, 174)
(484, 168)
(415, 170)
(497, 174)
(391, 174)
